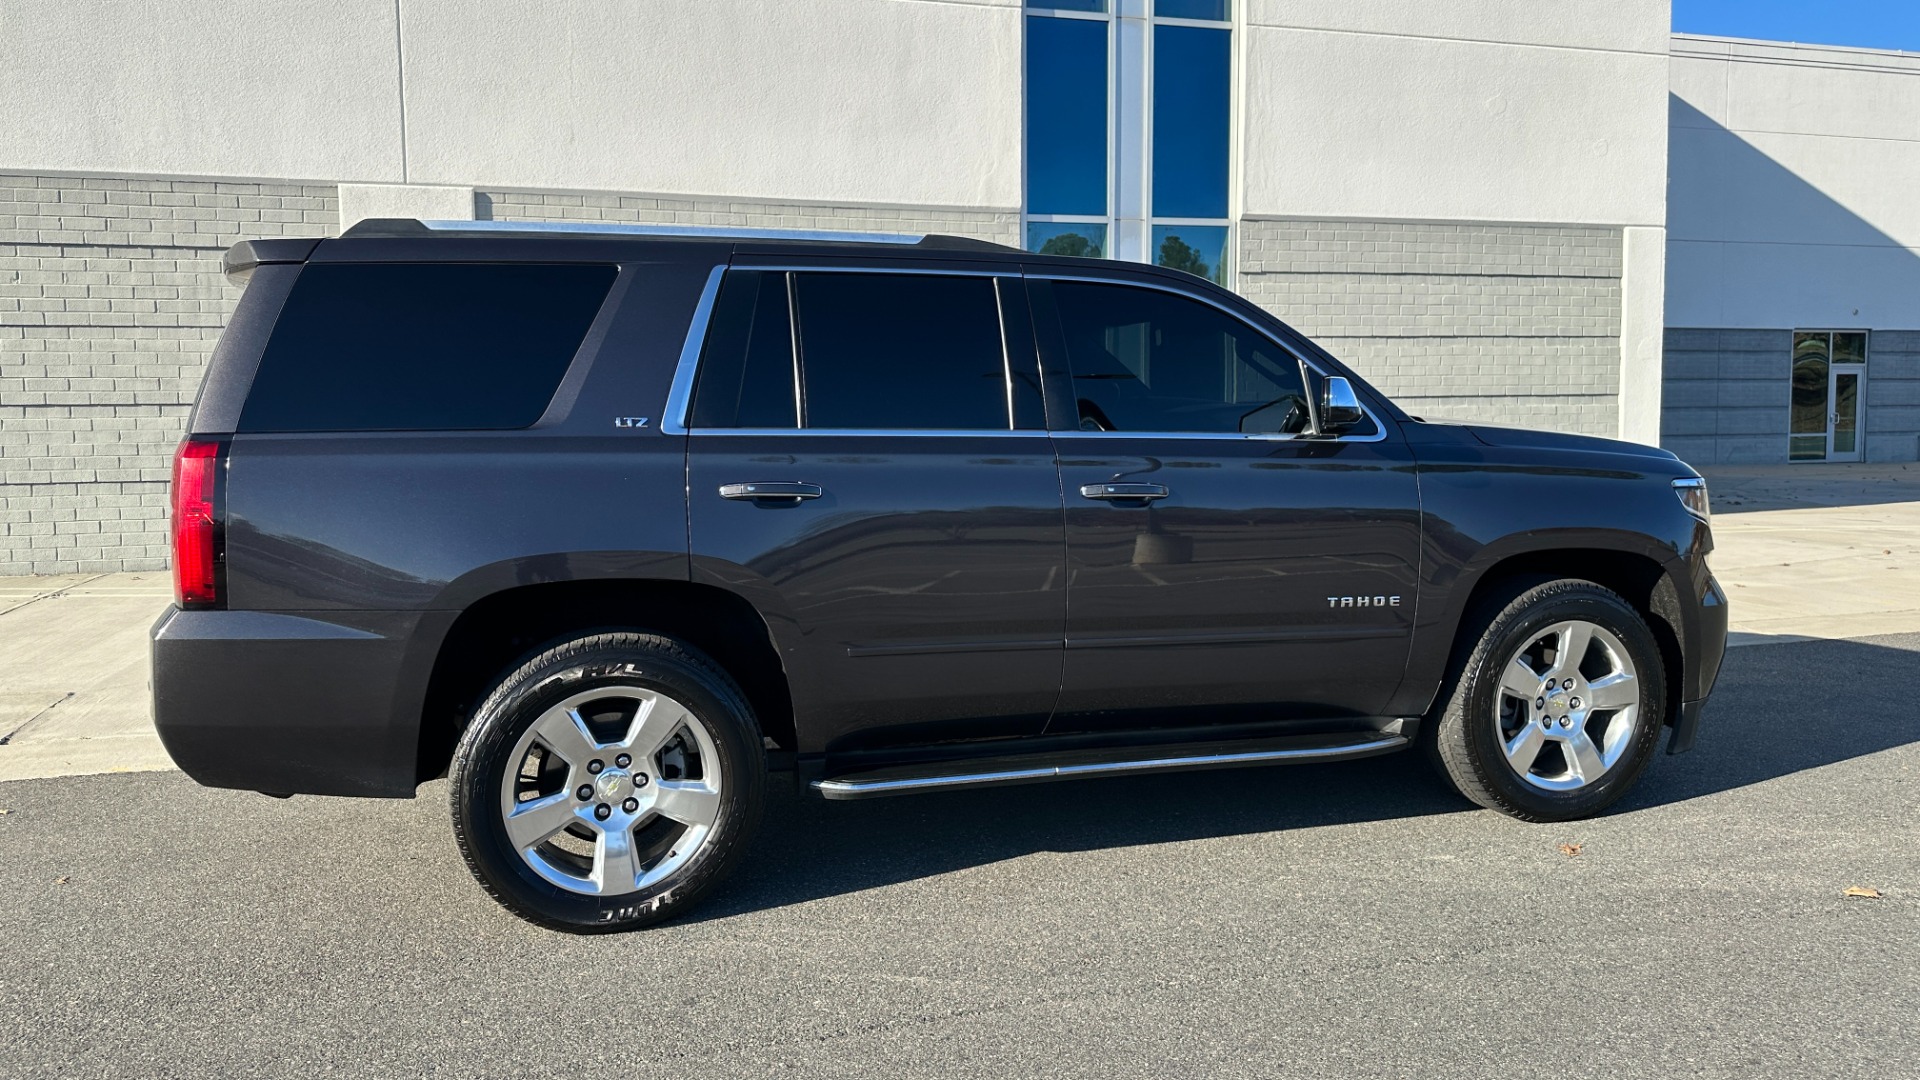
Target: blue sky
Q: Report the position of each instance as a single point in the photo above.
(1872, 24)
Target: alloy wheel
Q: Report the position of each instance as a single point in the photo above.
(1568, 705)
(611, 790)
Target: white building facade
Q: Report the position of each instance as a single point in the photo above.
(1793, 260)
(1470, 202)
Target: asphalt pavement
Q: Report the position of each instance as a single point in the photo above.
(1339, 920)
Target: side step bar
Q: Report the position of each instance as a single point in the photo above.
(956, 775)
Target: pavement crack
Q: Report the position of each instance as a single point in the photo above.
(8, 737)
(55, 594)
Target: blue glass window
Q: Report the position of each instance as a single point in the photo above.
(1200, 250)
(1084, 239)
(1217, 10)
(1071, 5)
(1066, 116)
(1191, 89)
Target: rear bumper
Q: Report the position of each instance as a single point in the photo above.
(290, 703)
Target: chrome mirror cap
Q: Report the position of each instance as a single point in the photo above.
(1340, 410)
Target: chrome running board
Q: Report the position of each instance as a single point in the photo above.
(955, 775)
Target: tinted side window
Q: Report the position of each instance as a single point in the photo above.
(1146, 360)
(746, 366)
(912, 351)
(422, 346)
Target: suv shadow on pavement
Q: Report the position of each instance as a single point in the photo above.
(1780, 710)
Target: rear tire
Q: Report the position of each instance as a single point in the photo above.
(608, 783)
(1558, 707)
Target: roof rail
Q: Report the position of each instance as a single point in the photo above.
(391, 227)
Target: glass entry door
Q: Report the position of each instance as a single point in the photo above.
(1829, 370)
(1844, 432)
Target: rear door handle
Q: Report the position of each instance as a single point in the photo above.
(771, 491)
(1124, 492)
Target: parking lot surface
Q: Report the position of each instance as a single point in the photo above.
(1342, 920)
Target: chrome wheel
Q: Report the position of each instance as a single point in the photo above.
(611, 790)
(1568, 705)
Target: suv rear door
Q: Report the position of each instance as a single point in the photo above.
(868, 464)
(1224, 566)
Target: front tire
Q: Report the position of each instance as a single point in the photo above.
(1558, 708)
(608, 783)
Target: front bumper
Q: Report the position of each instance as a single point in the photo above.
(290, 703)
(1704, 654)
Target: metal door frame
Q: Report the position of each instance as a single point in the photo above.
(1834, 373)
(1835, 370)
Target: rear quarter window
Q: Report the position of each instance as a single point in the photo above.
(422, 346)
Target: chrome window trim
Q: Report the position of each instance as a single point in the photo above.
(794, 356)
(918, 433)
(752, 264)
(1379, 429)
(680, 395)
(1006, 356)
(719, 232)
(1379, 435)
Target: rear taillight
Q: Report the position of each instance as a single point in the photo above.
(196, 469)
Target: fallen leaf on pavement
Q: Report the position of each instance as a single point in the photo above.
(1855, 890)
(1570, 850)
(63, 879)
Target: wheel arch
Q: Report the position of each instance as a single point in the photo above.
(502, 629)
(1639, 576)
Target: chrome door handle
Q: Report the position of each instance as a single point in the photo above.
(771, 491)
(1124, 492)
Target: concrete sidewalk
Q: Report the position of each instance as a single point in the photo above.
(1817, 551)
(73, 674)
(1822, 551)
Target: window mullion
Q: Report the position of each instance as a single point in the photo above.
(1133, 135)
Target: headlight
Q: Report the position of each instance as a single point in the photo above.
(1692, 491)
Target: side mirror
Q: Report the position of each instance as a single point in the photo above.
(1340, 410)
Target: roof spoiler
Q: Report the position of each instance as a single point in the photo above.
(408, 227)
(242, 257)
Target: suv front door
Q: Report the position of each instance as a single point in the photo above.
(868, 465)
(1224, 564)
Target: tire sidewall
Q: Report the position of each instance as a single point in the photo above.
(1524, 620)
(484, 754)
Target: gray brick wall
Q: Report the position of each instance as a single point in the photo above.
(1893, 396)
(1725, 396)
(110, 299)
(998, 227)
(1516, 324)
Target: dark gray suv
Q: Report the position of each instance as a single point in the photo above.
(609, 524)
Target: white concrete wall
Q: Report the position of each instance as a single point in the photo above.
(885, 101)
(304, 89)
(896, 102)
(1643, 272)
(1795, 197)
(1468, 110)
(1471, 110)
